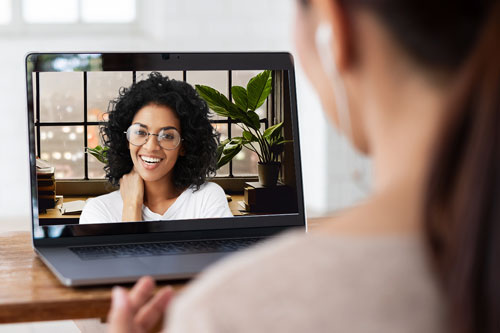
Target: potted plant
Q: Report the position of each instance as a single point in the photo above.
(267, 144)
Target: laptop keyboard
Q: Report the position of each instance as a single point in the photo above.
(161, 249)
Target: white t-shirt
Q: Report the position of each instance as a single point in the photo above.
(207, 202)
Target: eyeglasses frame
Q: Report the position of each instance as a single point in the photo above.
(157, 136)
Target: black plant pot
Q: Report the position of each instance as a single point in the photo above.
(268, 173)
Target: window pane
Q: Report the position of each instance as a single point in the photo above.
(62, 146)
(241, 78)
(214, 79)
(222, 129)
(5, 11)
(61, 97)
(176, 75)
(245, 162)
(50, 11)
(102, 87)
(108, 11)
(96, 168)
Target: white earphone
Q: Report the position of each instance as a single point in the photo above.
(324, 46)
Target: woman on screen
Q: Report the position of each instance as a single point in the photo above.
(161, 148)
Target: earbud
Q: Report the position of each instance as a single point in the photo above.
(325, 46)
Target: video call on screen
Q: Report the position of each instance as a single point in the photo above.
(69, 109)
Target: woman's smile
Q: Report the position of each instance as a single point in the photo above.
(150, 162)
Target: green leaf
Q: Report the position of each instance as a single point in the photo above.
(254, 120)
(237, 140)
(258, 89)
(240, 97)
(249, 136)
(283, 142)
(220, 148)
(215, 100)
(273, 131)
(225, 158)
(223, 107)
(100, 153)
(230, 148)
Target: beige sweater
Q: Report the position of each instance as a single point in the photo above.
(315, 283)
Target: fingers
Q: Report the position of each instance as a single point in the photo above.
(120, 317)
(142, 292)
(153, 312)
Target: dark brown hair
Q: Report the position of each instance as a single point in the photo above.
(462, 200)
(463, 197)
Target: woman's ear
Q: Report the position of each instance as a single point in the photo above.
(182, 151)
(332, 15)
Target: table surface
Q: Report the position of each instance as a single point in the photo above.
(30, 292)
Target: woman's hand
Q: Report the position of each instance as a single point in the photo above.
(132, 192)
(139, 310)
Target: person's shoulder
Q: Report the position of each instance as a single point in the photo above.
(210, 186)
(323, 273)
(229, 278)
(207, 189)
(241, 267)
(106, 199)
(104, 208)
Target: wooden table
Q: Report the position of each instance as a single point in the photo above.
(30, 292)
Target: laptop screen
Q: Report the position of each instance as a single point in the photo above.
(142, 142)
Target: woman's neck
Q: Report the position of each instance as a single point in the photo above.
(404, 136)
(160, 192)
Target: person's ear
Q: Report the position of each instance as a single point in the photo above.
(182, 151)
(333, 16)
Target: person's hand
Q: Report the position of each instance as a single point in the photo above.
(132, 192)
(139, 310)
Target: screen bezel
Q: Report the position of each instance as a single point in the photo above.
(257, 224)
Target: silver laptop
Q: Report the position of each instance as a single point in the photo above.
(191, 128)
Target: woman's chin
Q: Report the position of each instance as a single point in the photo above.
(148, 177)
(151, 176)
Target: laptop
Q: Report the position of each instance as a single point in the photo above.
(70, 98)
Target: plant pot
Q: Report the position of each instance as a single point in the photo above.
(268, 173)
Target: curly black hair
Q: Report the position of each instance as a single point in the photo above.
(200, 140)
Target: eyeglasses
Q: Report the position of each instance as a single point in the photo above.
(168, 138)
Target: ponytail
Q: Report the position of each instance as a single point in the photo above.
(462, 202)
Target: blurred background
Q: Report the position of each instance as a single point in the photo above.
(329, 165)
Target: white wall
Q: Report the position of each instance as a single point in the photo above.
(173, 25)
